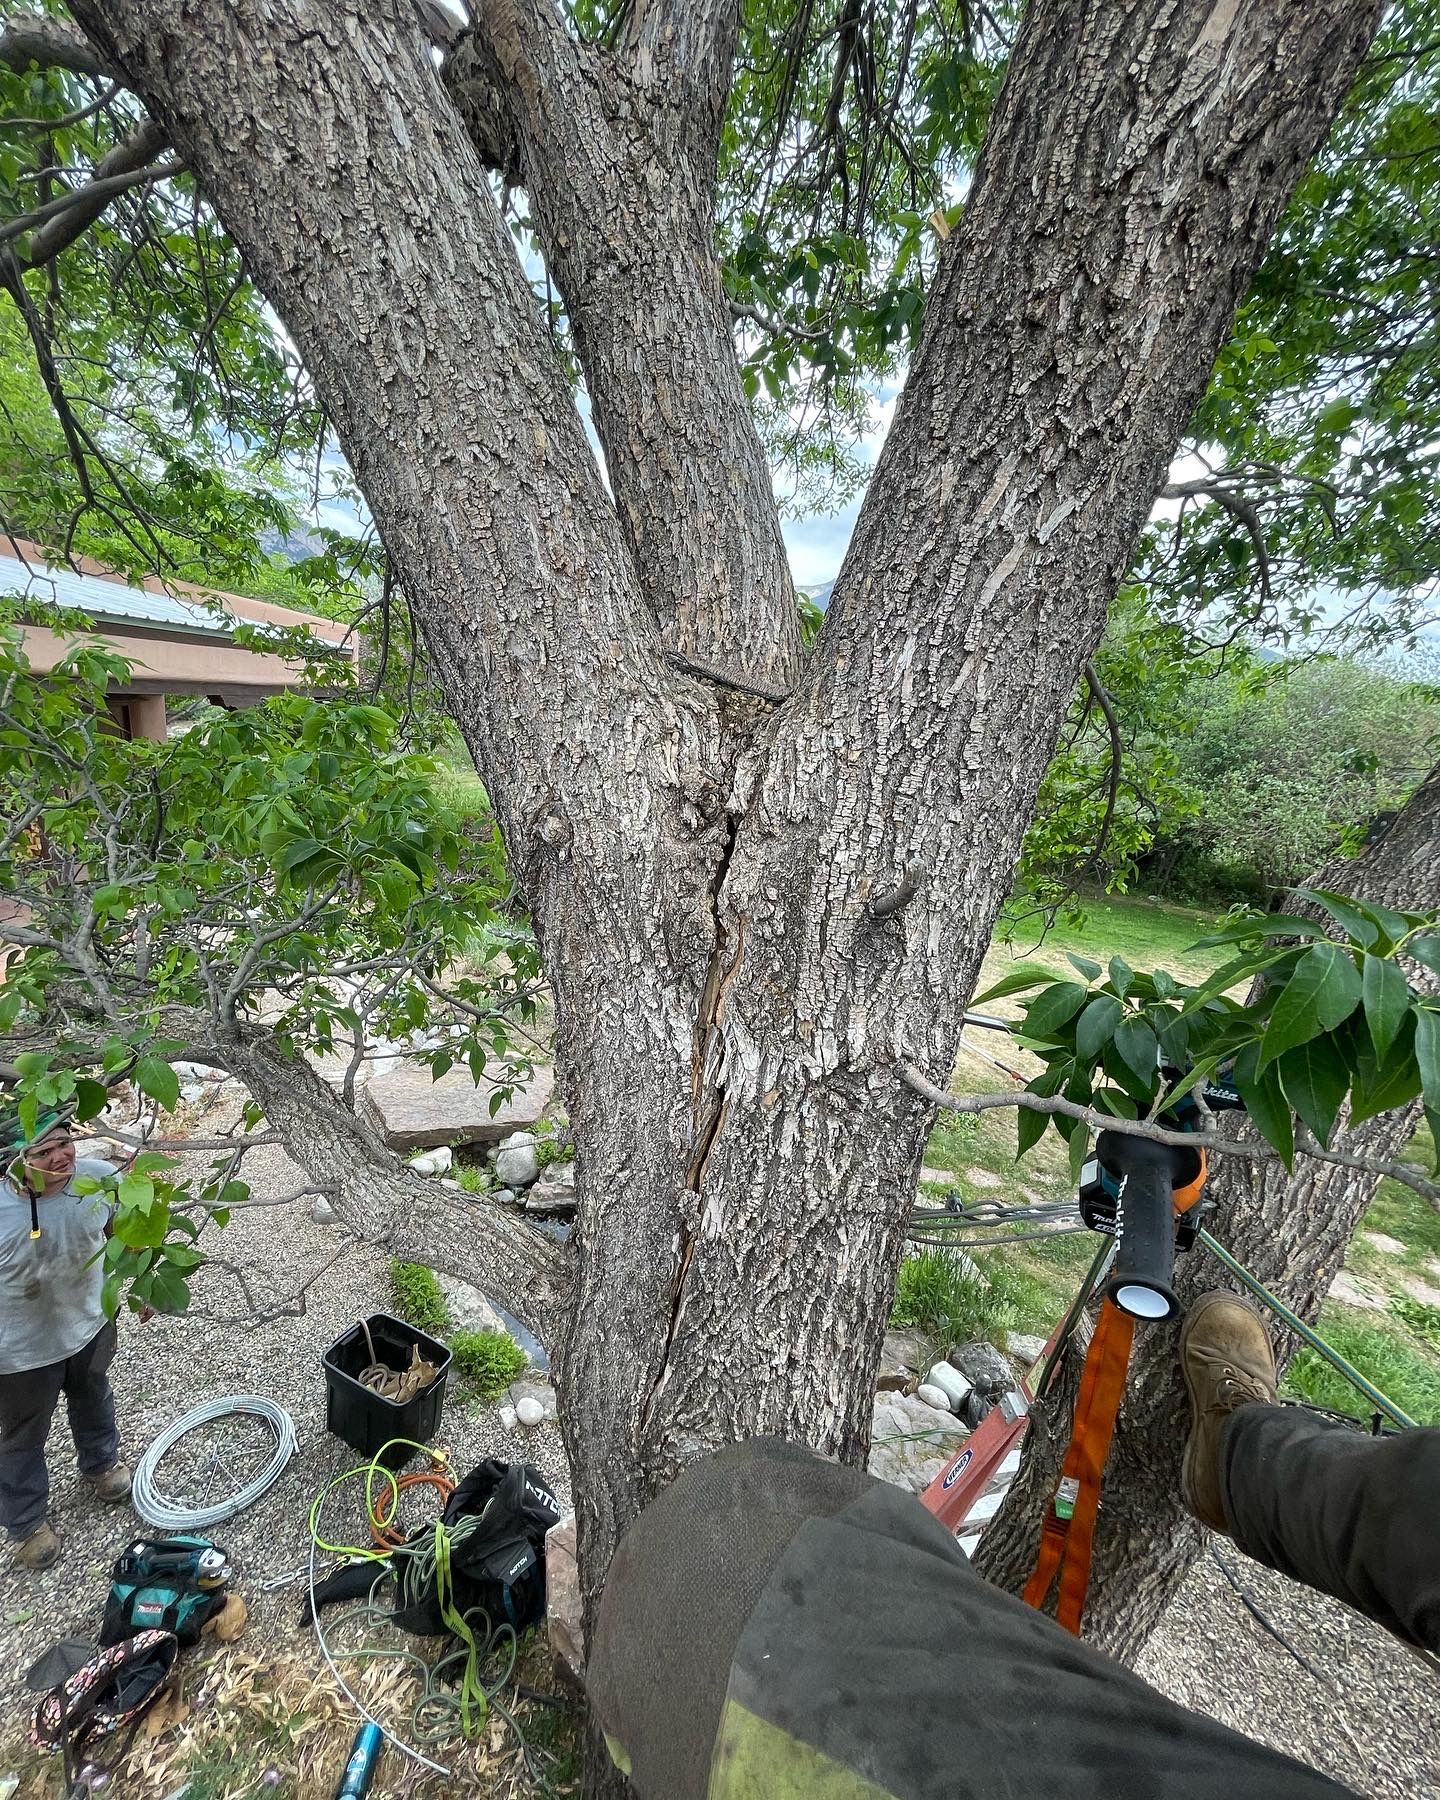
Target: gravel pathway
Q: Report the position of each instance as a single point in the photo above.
(1366, 1712)
(169, 1365)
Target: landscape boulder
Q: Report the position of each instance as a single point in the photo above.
(517, 1164)
(910, 1442)
(416, 1113)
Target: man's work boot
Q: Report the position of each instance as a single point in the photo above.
(39, 1550)
(111, 1485)
(1227, 1361)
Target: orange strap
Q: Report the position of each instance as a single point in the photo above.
(1068, 1534)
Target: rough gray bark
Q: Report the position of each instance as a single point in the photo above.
(617, 152)
(730, 1015)
(1118, 211)
(384, 1202)
(1292, 1231)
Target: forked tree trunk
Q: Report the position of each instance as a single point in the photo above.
(1293, 1233)
(730, 1012)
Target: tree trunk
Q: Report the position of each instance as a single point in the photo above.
(1293, 1232)
(730, 1012)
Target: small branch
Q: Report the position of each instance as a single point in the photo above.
(883, 906)
(705, 672)
(1237, 506)
(1256, 1151)
(58, 224)
(77, 117)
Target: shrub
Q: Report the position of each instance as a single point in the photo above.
(488, 1361)
(556, 1148)
(940, 1295)
(473, 1178)
(419, 1297)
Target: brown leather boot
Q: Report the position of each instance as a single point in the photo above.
(1227, 1361)
(111, 1485)
(39, 1550)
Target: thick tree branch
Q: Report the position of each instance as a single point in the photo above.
(469, 1236)
(689, 46)
(53, 44)
(620, 185)
(1250, 1149)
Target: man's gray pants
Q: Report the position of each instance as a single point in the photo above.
(27, 1405)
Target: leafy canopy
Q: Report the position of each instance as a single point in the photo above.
(282, 868)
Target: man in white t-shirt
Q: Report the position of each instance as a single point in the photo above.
(54, 1336)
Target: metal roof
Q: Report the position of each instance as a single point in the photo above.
(46, 584)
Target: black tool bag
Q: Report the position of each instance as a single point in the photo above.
(498, 1562)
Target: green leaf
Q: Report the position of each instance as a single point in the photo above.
(1121, 975)
(1259, 926)
(159, 1081)
(1079, 1150)
(1055, 1007)
(1266, 1104)
(110, 1293)
(1426, 950)
(1016, 982)
(1321, 994)
(1315, 1080)
(1348, 914)
(1427, 1053)
(136, 1192)
(90, 1097)
(1139, 1049)
(1096, 1026)
(1029, 1129)
(169, 1291)
(1386, 995)
(1090, 970)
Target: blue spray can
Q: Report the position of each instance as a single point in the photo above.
(364, 1754)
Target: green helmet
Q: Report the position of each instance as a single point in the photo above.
(13, 1135)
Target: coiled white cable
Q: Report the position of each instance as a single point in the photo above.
(164, 1512)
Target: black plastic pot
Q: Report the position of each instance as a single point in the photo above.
(367, 1421)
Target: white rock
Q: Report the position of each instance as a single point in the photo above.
(191, 1093)
(530, 1412)
(433, 1162)
(321, 1211)
(446, 1182)
(507, 1417)
(933, 1396)
(1025, 1348)
(951, 1383)
(516, 1163)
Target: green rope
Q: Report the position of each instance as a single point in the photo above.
(440, 1709)
(1303, 1331)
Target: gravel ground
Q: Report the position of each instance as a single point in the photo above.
(1365, 1711)
(169, 1365)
